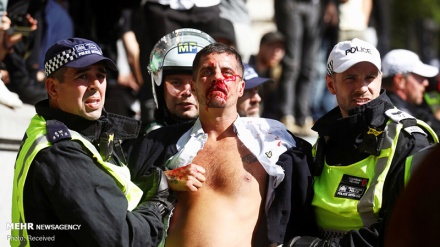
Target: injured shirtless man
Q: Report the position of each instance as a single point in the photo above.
(238, 181)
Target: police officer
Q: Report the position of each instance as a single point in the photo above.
(71, 171)
(248, 105)
(170, 68)
(405, 79)
(362, 158)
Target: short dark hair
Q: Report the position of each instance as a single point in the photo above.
(215, 48)
(272, 37)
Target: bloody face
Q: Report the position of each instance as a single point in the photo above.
(217, 85)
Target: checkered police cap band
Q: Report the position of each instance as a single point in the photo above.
(74, 53)
(330, 68)
(59, 61)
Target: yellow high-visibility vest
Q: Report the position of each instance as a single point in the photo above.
(350, 197)
(36, 141)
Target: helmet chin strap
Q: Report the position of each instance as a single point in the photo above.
(153, 85)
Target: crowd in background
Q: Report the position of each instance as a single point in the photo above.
(294, 55)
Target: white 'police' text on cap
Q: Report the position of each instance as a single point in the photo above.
(348, 53)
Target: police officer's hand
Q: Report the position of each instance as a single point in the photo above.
(155, 187)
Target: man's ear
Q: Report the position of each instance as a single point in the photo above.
(51, 87)
(241, 85)
(399, 81)
(193, 85)
(329, 80)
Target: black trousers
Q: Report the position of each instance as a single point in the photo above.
(299, 22)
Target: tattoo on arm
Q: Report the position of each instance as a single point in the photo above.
(173, 179)
(249, 158)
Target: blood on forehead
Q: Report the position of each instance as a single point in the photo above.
(223, 61)
(216, 65)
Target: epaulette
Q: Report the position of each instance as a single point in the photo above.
(57, 131)
(398, 116)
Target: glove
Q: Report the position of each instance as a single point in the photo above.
(155, 187)
(305, 242)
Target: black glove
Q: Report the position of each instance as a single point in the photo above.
(155, 187)
(305, 242)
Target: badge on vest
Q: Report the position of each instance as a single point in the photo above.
(106, 145)
(372, 141)
(351, 187)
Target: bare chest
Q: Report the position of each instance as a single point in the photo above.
(231, 196)
(230, 165)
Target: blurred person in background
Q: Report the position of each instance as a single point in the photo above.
(249, 104)
(21, 63)
(7, 97)
(322, 101)
(237, 12)
(405, 78)
(354, 17)
(267, 63)
(432, 96)
(299, 22)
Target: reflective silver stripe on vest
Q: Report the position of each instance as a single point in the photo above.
(120, 174)
(365, 205)
(40, 140)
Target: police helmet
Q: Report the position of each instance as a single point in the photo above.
(174, 54)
